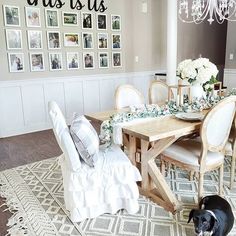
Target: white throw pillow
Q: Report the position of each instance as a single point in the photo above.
(85, 138)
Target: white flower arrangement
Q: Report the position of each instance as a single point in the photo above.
(200, 71)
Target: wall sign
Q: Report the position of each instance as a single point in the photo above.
(93, 5)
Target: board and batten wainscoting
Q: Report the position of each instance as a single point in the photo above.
(23, 103)
(230, 78)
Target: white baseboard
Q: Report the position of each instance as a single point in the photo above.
(230, 78)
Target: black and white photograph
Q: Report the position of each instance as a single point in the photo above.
(36, 62)
(88, 60)
(102, 40)
(116, 59)
(103, 60)
(51, 17)
(11, 15)
(72, 60)
(16, 62)
(101, 22)
(116, 41)
(87, 40)
(32, 15)
(55, 61)
(35, 40)
(87, 20)
(14, 39)
(54, 40)
(70, 19)
(71, 40)
(116, 22)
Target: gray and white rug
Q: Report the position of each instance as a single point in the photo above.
(36, 192)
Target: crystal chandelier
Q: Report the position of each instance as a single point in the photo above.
(198, 10)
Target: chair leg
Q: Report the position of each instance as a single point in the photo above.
(200, 185)
(221, 174)
(191, 174)
(232, 172)
(163, 167)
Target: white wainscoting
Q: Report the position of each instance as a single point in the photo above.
(23, 104)
(230, 78)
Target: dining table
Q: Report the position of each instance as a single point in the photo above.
(144, 143)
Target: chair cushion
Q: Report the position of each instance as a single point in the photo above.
(86, 139)
(188, 152)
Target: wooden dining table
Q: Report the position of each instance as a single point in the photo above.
(144, 143)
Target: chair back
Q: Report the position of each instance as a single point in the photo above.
(217, 124)
(158, 92)
(62, 134)
(127, 95)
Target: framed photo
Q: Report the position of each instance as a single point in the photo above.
(116, 59)
(116, 41)
(16, 62)
(35, 39)
(37, 62)
(101, 22)
(87, 20)
(54, 40)
(71, 39)
(55, 61)
(102, 40)
(103, 60)
(116, 22)
(51, 17)
(11, 15)
(70, 18)
(87, 40)
(72, 61)
(32, 17)
(14, 39)
(88, 60)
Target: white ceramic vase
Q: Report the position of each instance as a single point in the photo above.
(197, 91)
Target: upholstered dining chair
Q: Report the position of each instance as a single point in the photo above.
(91, 191)
(208, 154)
(158, 92)
(127, 95)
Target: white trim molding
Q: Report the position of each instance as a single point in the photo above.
(230, 78)
(23, 103)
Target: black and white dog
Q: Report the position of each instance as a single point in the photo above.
(214, 216)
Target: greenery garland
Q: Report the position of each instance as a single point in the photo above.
(153, 110)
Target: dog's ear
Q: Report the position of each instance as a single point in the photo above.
(190, 215)
(214, 224)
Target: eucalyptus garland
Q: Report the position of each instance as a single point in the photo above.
(153, 110)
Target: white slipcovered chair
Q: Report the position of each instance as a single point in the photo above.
(127, 95)
(158, 92)
(208, 154)
(91, 191)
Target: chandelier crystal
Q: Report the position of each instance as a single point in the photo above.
(198, 10)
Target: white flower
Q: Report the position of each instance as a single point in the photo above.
(204, 75)
(200, 62)
(188, 72)
(182, 65)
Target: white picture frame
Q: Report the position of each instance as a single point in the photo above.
(35, 39)
(87, 20)
(116, 59)
(103, 60)
(71, 39)
(14, 39)
(16, 62)
(32, 17)
(116, 41)
(87, 39)
(11, 15)
(115, 22)
(102, 40)
(70, 18)
(51, 18)
(88, 60)
(72, 60)
(101, 22)
(36, 62)
(55, 61)
(54, 40)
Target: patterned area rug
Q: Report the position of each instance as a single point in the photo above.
(36, 191)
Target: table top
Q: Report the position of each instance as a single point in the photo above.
(154, 129)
